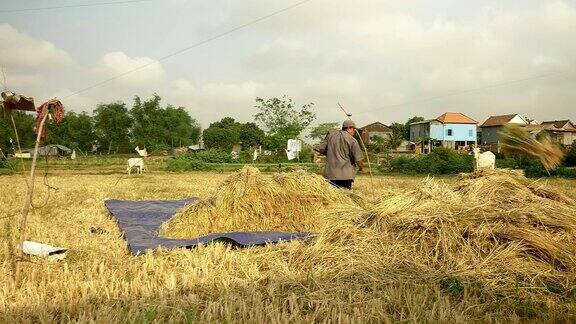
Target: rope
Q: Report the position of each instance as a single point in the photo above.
(47, 185)
(72, 6)
(188, 48)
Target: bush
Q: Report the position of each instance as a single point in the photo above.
(566, 172)
(210, 156)
(570, 156)
(185, 163)
(507, 163)
(535, 169)
(440, 161)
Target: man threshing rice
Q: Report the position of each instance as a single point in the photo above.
(342, 154)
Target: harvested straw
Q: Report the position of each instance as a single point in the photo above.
(516, 140)
(484, 225)
(250, 201)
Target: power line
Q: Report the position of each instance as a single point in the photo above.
(72, 6)
(457, 93)
(195, 45)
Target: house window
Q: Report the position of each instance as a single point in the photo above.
(449, 132)
(470, 133)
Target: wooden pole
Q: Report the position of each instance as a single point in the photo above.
(30, 191)
(18, 142)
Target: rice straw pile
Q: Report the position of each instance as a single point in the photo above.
(250, 201)
(495, 226)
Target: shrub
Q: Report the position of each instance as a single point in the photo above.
(570, 156)
(440, 161)
(185, 163)
(507, 163)
(534, 169)
(210, 156)
(566, 172)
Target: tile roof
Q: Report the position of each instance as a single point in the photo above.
(560, 124)
(455, 118)
(498, 120)
(377, 124)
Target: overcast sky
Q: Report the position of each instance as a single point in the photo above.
(383, 60)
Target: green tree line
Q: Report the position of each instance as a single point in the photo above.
(112, 128)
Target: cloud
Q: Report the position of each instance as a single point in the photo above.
(369, 57)
(18, 50)
(281, 53)
(212, 101)
(116, 64)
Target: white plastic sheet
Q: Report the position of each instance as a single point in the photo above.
(44, 250)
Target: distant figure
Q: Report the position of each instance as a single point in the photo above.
(486, 160)
(342, 154)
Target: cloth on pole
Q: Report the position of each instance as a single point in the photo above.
(57, 113)
(140, 221)
(293, 149)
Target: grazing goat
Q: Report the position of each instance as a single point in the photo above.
(486, 160)
(141, 152)
(137, 163)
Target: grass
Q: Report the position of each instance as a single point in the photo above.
(350, 275)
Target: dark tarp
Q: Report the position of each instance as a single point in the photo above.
(140, 221)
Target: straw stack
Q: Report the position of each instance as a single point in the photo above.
(250, 201)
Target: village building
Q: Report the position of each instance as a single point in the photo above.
(452, 130)
(560, 131)
(370, 131)
(493, 126)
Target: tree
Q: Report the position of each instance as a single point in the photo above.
(76, 131)
(222, 135)
(320, 131)
(112, 125)
(183, 130)
(25, 123)
(160, 128)
(377, 145)
(282, 120)
(250, 134)
(148, 130)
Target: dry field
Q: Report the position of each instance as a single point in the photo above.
(354, 272)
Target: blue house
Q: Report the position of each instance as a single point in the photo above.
(452, 130)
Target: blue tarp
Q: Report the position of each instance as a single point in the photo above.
(140, 221)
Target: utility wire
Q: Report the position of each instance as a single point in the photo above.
(72, 6)
(457, 93)
(195, 45)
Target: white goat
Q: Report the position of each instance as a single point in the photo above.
(143, 152)
(486, 160)
(137, 163)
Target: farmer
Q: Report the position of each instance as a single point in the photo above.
(342, 154)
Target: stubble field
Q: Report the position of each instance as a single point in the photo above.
(346, 275)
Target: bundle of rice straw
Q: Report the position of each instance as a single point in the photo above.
(485, 225)
(516, 140)
(250, 201)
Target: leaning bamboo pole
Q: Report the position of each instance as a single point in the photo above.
(21, 237)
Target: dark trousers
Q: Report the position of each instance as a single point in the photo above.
(347, 184)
